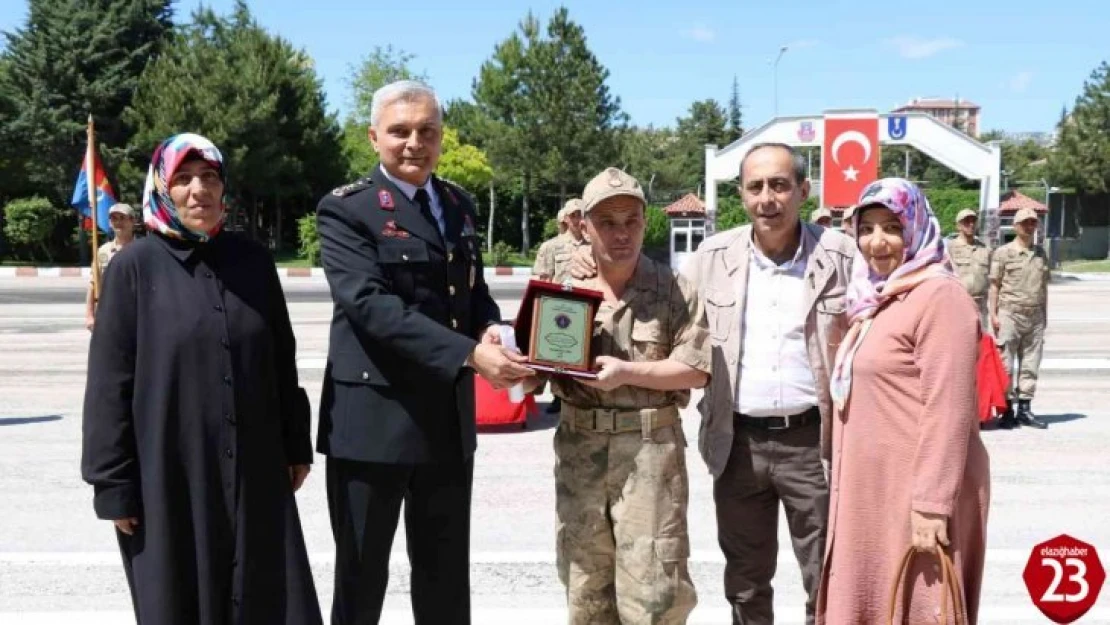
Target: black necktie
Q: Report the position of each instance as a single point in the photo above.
(425, 201)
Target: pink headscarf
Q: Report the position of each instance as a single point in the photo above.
(924, 257)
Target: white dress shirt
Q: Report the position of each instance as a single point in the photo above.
(409, 190)
(775, 375)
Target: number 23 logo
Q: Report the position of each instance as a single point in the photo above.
(1051, 594)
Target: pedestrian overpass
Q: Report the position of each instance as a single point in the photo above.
(950, 147)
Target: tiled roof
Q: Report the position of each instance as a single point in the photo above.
(686, 205)
(1013, 201)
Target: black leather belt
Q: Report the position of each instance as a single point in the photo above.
(813, 415)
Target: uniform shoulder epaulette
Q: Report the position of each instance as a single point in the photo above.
(456, 188)
(348, 189)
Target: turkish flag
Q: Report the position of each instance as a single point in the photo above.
(850, 158)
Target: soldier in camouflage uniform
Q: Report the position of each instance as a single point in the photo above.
(621, 481)
(822, 217)
(972, 259)
(554, 254)
(1019, 305)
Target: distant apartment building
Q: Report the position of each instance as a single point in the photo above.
(960, 114)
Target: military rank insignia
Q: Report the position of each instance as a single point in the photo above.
(385, 200)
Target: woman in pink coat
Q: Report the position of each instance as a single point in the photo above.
(908, 467)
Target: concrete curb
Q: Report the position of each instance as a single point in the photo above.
(1086, 277)
(283, 272)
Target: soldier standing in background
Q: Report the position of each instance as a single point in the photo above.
(554, 254)
(822, 217)
(1019, 306)
(972, 259)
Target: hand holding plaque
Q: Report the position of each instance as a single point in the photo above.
(554, 328)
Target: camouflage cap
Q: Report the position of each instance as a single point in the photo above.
(573, 205)
(965, 213)
(819, 214)
(1025, 214)
(610, 183)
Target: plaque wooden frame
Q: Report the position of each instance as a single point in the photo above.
(527, 324)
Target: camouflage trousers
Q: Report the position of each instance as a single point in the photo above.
(1021, 334)
(984, 316)
(622, 544)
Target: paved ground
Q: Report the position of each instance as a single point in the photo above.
(58, 564)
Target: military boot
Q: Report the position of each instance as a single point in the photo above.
(1006, 420)
(1025, 416)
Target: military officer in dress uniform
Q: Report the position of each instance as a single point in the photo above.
(413, 321)
(1019, 306)
(972, 259)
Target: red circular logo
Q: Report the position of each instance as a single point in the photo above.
(1064, 577)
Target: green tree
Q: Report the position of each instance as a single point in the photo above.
(735, 117)
(1082, 155)
(463, 164)
(649, 155)
(545, 114)
(72, 58)
(260, 101)
(29, 223)
(377, 69)
(704, 124)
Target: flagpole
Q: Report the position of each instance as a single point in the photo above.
(90, 178)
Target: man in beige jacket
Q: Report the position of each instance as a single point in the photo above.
(774, 294)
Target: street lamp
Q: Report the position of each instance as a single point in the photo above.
(775, 77)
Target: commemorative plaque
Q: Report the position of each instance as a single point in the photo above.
(555, 327)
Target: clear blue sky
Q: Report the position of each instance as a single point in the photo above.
(1021, 60)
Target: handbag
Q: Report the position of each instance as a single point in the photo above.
(950, 587)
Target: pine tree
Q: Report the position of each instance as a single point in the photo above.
(735, 117)
(1082, 155)
(70, 59)
(257, 98)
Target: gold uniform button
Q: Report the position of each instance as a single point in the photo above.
(451, 290)
(455, 323)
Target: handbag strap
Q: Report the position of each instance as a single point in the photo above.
(950, 587)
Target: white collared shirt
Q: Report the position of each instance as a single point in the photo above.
(409, 190)
(775, 375)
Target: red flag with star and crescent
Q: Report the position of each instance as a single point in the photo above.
(850, 158)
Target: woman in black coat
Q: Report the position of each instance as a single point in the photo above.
(196, 432)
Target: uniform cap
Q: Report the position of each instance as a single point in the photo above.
(610, 183)
(965, 213)
(573, 205)
(123, 209)
(1024, 214)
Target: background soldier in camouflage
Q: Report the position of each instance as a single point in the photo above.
(621, 481)
(972, 259)
(1019, 305)
(554, 254)
(822, 217)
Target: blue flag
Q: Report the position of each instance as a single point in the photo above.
(105, 198)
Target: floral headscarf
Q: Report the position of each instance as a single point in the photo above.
(159, 211)
(925, 256)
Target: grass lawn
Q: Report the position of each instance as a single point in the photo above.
(1086, 266)
(516, 259)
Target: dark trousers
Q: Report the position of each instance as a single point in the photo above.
(364, 499)
(764, 468)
